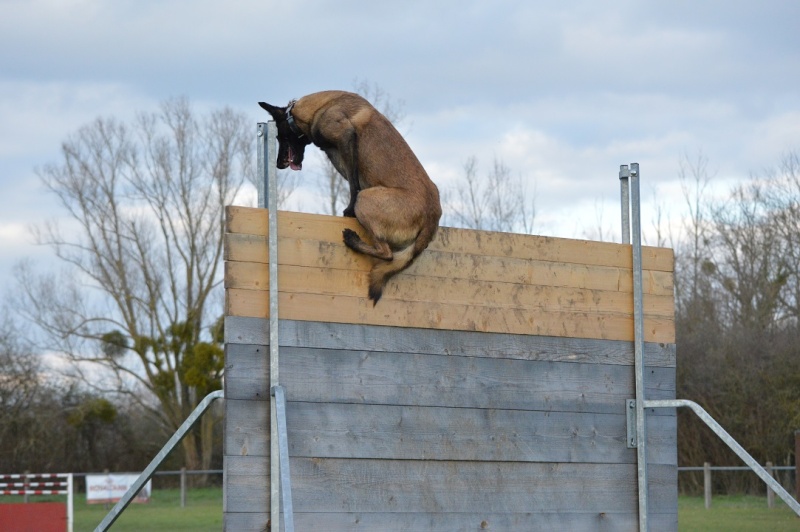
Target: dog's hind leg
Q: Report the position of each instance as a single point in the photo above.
(381, 249)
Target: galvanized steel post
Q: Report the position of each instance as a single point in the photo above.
(625, 203)
(638, 333)
(268, 197)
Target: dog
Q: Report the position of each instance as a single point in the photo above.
(391, 195)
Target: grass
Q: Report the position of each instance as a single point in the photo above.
(203, 512)
(735, 513)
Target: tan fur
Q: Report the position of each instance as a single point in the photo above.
(395, 200)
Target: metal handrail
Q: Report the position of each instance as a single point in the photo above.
(730, 442)
(148, 472)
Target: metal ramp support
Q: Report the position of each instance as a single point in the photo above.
(123, 503)
(635, 408)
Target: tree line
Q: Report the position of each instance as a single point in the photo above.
(737, 288)
(134, 312)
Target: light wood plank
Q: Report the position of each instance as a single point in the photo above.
(343, 309)
(329, 229)
(328, 281)
(343, 336)
(448, 265)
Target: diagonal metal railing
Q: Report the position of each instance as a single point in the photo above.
(732, 443)
(148, 472)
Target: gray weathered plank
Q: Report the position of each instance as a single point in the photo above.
(366, 486)
(239, 330)
(465, 434)
(447, 522)
(327, 430)
(328, 375)
(247, 484)
(246, 428)
(255, 522)
(337, 485)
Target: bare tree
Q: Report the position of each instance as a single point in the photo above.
(694, 254)
(332, 185)
(142, 253)
(499, 202)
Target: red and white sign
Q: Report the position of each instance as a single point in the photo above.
(111, 488)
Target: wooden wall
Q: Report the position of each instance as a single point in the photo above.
(486, 390)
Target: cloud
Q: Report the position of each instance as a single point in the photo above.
(562, 92)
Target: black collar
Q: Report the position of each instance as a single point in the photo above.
(290, 120)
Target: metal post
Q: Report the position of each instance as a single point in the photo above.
(283, 444)
(261, 164)
(707, 484)
(770, 492)
(625, 203)
(638, 333)
(70, 503)
(268, 197)
(183, 487)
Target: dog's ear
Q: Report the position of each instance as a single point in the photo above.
(278, 113)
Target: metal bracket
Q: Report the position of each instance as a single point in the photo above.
(630, 413)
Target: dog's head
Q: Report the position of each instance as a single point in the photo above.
(291, 142)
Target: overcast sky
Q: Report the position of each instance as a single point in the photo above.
(563, 92)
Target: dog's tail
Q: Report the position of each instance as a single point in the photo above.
(382, 271)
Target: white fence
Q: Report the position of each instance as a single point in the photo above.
(707, 468)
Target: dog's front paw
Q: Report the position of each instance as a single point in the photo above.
(350, 237)
(349, 212)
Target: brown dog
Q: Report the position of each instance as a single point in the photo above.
(391, 195)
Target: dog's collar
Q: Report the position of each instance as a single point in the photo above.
(290, 120)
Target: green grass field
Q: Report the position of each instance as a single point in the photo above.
(203, 512)
(735, 513)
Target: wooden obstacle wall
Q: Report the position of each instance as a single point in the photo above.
(486, 390)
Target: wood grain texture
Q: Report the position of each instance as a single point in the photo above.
(332, 282)
(293, 333)
(363, 377)
(411, 486)
(447, 265)
(473, 281)
(246, 484)
(413, 314)
(486, 390)
(359, 431)
(341, 485)
(257, 522)
(575, 521)
(329, 229)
